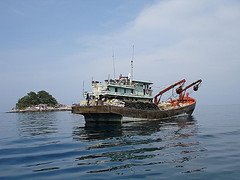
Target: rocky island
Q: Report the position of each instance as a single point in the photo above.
(40, 101)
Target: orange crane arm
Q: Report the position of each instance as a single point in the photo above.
(167, 89)
(195, 88)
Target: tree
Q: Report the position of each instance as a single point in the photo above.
(46, 98)
(32, 99)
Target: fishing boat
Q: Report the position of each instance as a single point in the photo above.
(123, 99)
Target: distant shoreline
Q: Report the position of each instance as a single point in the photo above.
(42, 108)
(25, 111)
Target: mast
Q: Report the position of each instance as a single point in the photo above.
(114, 73)
(131, 75)
(83, 89)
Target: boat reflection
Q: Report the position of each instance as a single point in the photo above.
(103, 130)
(97, 131)
(128, 146)
(38, 123)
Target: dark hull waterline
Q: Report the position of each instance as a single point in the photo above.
(124, 114)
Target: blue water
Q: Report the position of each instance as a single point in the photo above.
(59, 145)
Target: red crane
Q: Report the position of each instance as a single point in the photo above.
(156, 101)
(195, 88)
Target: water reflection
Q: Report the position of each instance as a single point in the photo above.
(38, 123)
(101, 131)
(94, 131)
(124, 147)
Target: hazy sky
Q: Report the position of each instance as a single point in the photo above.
(54, 45)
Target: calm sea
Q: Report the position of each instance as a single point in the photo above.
(59, 145)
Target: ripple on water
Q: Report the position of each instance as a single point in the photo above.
(61, 146)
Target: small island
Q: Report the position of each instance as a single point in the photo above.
(40, 101)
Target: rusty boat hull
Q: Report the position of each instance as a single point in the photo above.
(103, 113)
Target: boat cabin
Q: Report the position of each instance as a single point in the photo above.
(123, 88)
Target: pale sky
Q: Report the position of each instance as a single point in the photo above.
(55, 45)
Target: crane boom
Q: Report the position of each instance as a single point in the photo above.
(195, 88)
(167, 89)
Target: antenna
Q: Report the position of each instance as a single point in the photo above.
(132, 64)
(83, 89)
(114, 74)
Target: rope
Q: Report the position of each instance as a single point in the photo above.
(174, 94)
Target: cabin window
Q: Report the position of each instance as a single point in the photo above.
(132, 91)
(116, 89)
(125, 91)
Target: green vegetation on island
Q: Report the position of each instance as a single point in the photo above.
(33, 99)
